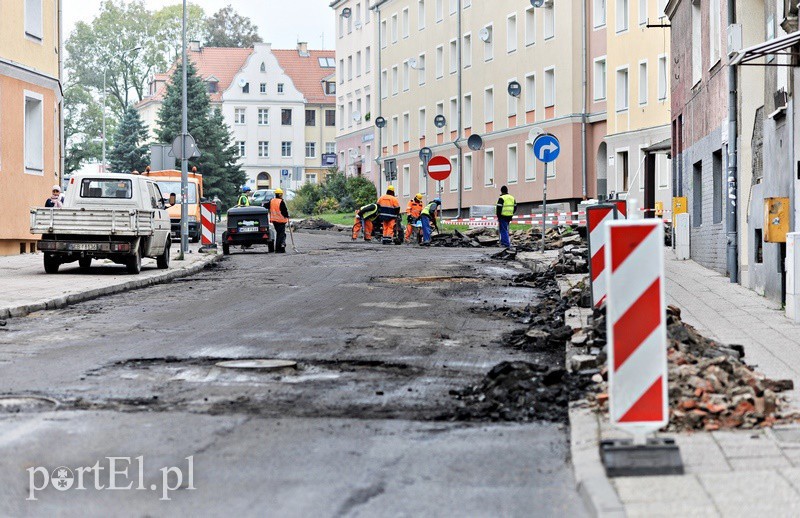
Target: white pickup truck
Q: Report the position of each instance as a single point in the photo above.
(121, 217)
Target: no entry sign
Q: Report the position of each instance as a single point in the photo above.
(636, 325)
(439, 168)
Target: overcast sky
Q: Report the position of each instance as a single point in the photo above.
(280, 22)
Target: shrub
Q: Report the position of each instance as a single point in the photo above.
(326, 205)
(306, 199)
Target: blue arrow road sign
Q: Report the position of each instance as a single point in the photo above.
(546, 148)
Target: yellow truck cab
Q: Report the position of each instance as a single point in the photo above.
(169, 181)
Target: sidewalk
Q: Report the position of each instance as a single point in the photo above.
(27, 288)
(727, 473)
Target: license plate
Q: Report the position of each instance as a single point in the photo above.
(248, 229)
(83, 246)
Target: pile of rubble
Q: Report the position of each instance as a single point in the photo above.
(710, 386)
(522, 240)
(314, 224)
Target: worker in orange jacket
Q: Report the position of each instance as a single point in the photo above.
(413, 210)
(279, 216)
(388, 210)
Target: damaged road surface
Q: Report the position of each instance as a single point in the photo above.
(360, 425)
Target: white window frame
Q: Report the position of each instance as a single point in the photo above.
(550, 100)
(314, 149)
(406, 127)
(530, 92)
(283, 149)
(549, 20)
(643, 12)
(237, 120)
(453, 56)
(663, 77)
(530, 162)
(34, 31)
(623, 16)
(421, 15)
(512, 40)
(34, 165)
(467, 112)
(599, 13)
(466, 50)
(600, 83)
(488, 173)
(406, 183)
(421, 69)
(619, 96)
(488, 46)
(512, 166)
(512, 103)
(262, 148)
(422, 123)
(643, 83)
(440, 62)
(468, 171)
(454, 174)
(263, 116)
(488, 107)
(530, 26)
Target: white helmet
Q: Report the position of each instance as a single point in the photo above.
(57, 188)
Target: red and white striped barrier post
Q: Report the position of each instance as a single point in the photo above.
(208, 222)
(636, 326)
(597, 217)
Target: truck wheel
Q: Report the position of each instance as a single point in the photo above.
(134, 262)
(85, 263)
(162, 261)
(226, 249)
(51, 263)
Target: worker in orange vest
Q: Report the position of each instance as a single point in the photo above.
(413, 210)
(279, 216)
(388, 211)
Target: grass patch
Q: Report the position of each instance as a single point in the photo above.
(340, 218)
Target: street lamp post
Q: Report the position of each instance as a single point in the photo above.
(105, 69)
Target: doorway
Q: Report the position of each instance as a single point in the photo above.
(263, 181)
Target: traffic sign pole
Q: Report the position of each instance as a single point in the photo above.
(546, 149)
(544, 208)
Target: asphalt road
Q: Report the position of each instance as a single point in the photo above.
(381, 335)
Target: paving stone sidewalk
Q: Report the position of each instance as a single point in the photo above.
(728, 473)
(25, 287)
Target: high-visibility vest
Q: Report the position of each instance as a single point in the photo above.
(430, 209)
(414, 208)
(368, 212)
(388, 207)
(509, 203)
(275, 214)
(243, 201)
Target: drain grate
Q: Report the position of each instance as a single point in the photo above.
(14, 404)
(259, 364)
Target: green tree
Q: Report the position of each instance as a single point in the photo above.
(227, 28)
(222, 175)
(169, 23)
(106, 44)
(129, 151)
(83, 123)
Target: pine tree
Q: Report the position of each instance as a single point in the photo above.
(222, 175)
(129, 151)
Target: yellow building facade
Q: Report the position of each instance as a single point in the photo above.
(30, 115)
(636, 67)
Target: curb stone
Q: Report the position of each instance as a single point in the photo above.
(73, 298)
(598, 495)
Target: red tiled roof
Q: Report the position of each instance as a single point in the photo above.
(221, 62)
(306, 73)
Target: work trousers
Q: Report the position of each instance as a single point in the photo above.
(366, 225)
(505, 239)
(426, 229)
(388, 229)
(280, 237)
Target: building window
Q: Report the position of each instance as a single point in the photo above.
(623, 12)
(511, 33)
(530, 163)
(349, 68)
(488, 45)
(368, 60)
(439, 10)
(467, 170)
(599, 79)
(311, 118)
(468, 111)
(358, 64)
(263, 149)
(512, 103)
(599, 13)
(453, 56)
(395, 81)
(643, 83)
(466, 51)
(263, 116)
(33, 19)
(549, 87)
(440, 111)
(384, 84)
(330, 118)
(453, 114)
(439, 62)
(286, 149)
(330, 147)
(406, 23)
(406, 127)
(240, 148)
(395, 131)
(623, 92)
(421, 70)
(262, 88)
(34, 134)
(714, 36)
(286, 117)
(421, 15)
(330, 88)
(422, 179)
(213, 87)
(513, 164)
(697, 194)
(662, 78)
(280, 88)
(263, 67)
(549, 20)
(454, 175)
(246, 88)
(311, 178)
(383, 34)
(311, 150)
(643, 12)
(716, 163)
(340, 72)
(623, 170)
(395, 30)
(530, 92)
(239, 116)
(697, 42)
(488, 105)
(406, 184)
(488, 167)
(406, 76)
(423, 123)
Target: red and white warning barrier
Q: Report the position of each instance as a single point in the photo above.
(636, 325)
(208, 220)
(598, 217)
(622, 208)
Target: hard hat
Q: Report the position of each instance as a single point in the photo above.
(245, 189)
(57, 188)
(279, 191)
(418, 196)
(437, 201)
(390, 188)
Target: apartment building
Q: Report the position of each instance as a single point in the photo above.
(31, 140)
(437, 59)
(279, 105)
(636, 68)
(356, 101)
